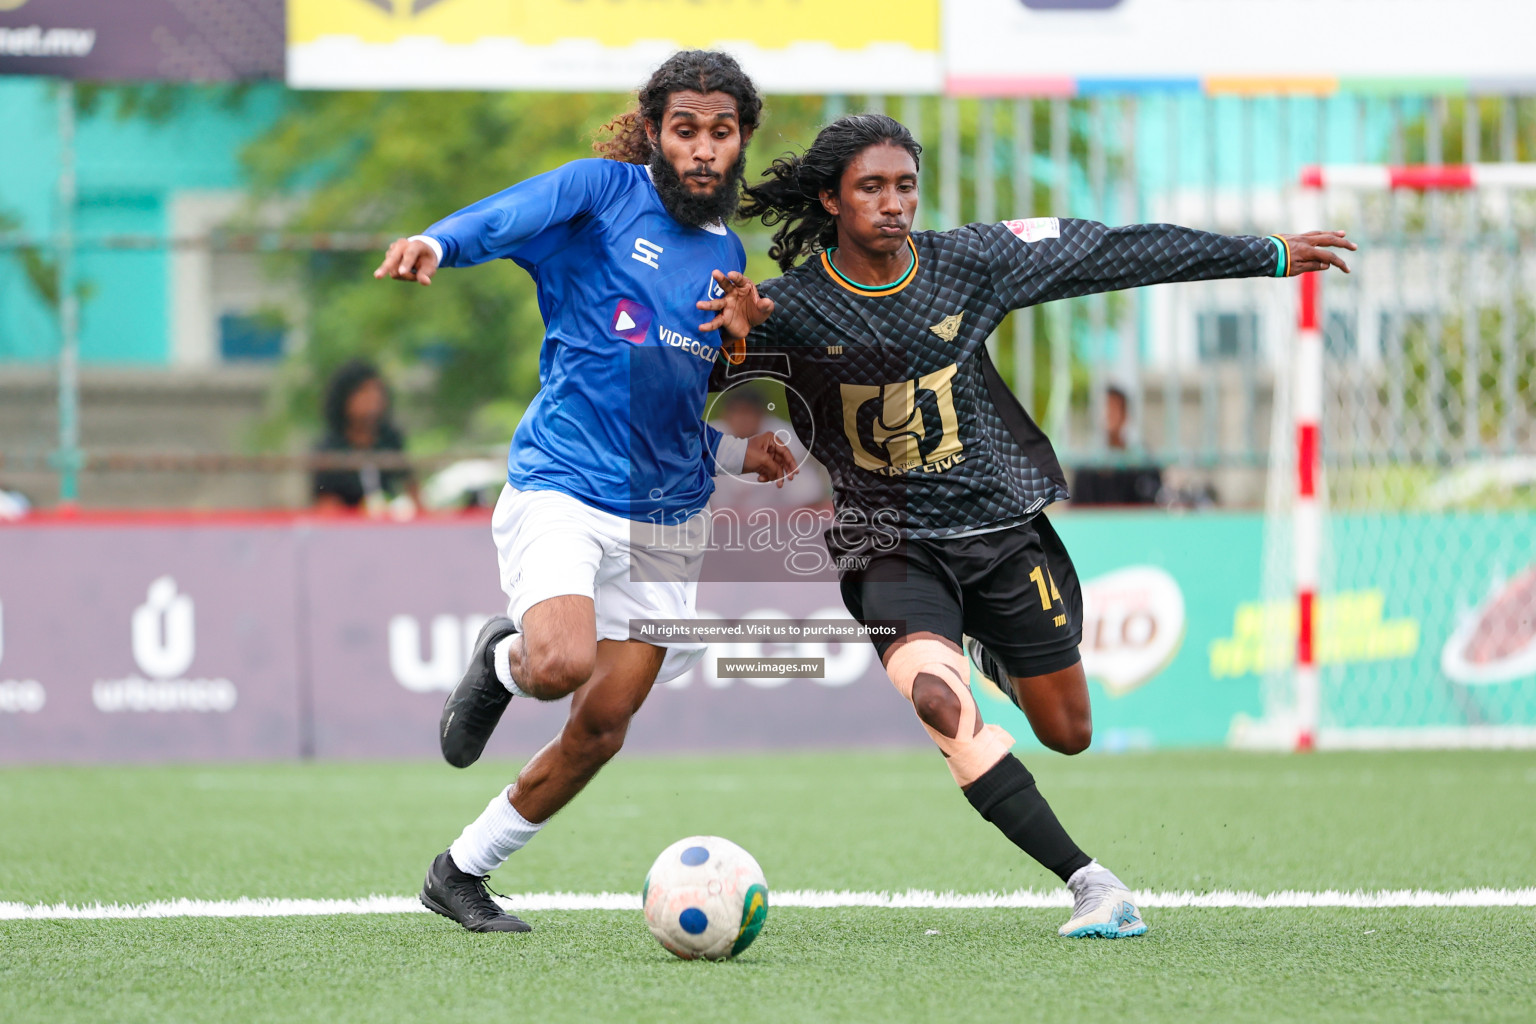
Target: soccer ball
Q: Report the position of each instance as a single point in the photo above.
(705, 897)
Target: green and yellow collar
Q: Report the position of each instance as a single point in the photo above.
(867, 289)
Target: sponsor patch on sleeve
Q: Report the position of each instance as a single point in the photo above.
(1035, 228)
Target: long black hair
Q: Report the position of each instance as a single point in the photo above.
(703, 71)
(790, 195)
(344, 382)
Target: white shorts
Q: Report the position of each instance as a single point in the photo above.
(550, 544)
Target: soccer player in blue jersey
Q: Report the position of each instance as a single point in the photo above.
(601, 520)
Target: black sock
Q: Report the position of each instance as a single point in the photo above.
(1006, 796)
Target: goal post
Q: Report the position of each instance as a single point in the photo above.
(1400, 529)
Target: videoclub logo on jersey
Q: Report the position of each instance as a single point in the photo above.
(632, 321)
(163, 635)
(452, 641)
(693, 346)
(901, 428)
(18, 696)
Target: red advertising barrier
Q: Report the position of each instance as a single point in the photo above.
(258, 637)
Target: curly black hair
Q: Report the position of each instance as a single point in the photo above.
(791, 194)
(687, 70)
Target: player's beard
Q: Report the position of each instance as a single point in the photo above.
(692, 208)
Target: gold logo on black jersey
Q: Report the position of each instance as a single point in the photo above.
(834, 350)
(899, 437)
(948, 327)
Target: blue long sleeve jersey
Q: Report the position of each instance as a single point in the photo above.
(624, 370)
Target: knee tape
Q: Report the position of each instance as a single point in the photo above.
(970, 753)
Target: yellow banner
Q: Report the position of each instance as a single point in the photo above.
(620, 24)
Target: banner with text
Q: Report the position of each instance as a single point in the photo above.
(158, 40)
(794, 46)
(151, 642)
(1067, 47)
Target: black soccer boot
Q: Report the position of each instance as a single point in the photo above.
(991, 670)
(475, 705)
(462, 898)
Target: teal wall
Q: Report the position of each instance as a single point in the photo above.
(28, 179)
(129, 170)
(1259, 142)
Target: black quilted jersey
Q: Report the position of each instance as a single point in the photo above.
(891, 387)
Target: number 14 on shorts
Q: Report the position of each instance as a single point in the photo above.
(1042, 576)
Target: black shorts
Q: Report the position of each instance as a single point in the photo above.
(1015, 590)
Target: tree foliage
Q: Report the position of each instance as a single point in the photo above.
(394, 163)
(38, 268)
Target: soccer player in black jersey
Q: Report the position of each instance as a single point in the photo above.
(939, 475)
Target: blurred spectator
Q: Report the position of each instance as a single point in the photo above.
(744, 411)
(1117, 406)
(357, 419)
(1194, 494)
(1128, 477)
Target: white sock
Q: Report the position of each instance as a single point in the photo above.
(503, 666)
(487, 842)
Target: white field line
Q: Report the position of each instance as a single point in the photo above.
(913, 899)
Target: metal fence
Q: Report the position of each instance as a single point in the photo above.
(1448, 355)
(1436, 320)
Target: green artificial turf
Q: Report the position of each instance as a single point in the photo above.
(863, 821)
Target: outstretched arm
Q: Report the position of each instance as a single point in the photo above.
(1079, 257)
(513, 222)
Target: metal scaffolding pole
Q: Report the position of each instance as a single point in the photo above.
(1022, 166)
(912, 117)
(67, 458)
(986, 181)
(1058, 404)
(949, 164)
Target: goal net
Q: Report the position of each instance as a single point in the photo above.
(1400, 528)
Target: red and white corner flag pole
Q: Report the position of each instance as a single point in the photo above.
(1307, 517)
